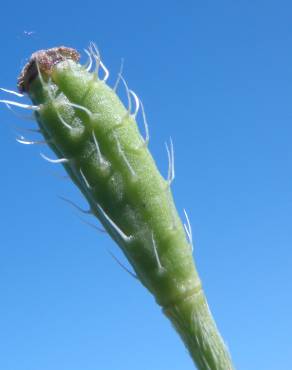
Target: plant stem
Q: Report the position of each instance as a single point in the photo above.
(97, 140)
(195, 324)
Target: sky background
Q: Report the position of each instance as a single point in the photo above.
(216, 76)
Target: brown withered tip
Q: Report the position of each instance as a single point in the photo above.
(44, 60)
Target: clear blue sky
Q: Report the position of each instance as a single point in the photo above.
(216, 76)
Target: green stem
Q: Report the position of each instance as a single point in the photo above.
(98, 141)
(194, 322)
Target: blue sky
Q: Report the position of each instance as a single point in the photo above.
(217, 78)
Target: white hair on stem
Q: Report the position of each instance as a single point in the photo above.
(84, 211)
(188, 229)
(19, 105)
(12, 92)
(23, 140)
(128, 94)
(93, 226)
(90, 62)
(106, 71)
(81, 107)
(156, 252)
(147, 136)
(53, 100)
(93, 50)
(170, 155)
(95, 54)
(59, 160)
(113, 225)
(69, 127)
(30, 118)
(122, 265)
(137, 103)
(84, 179)
(98, 152)
(122, 153)
(119, 75)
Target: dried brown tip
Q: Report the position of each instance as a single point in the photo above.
(44, 60)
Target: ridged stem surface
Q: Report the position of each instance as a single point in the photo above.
(86, 124)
